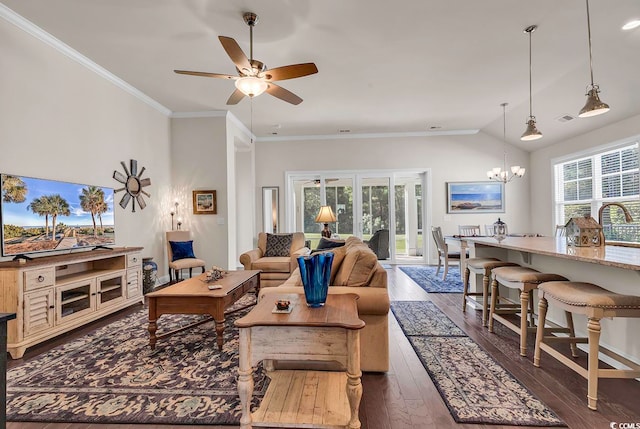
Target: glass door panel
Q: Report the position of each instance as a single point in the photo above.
(339, 195)
(375, 206)
(408, 216)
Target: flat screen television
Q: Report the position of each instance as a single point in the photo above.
(40, 215)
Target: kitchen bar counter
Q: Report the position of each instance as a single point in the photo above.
(614, 256)
(615, 268)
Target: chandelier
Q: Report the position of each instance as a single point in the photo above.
(502, 174)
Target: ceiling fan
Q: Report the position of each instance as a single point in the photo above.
(253, 77)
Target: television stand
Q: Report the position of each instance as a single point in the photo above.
(55, 294)
(21, 256)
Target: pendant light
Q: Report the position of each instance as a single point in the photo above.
(594, 106)
(531, 133)
(502, 174)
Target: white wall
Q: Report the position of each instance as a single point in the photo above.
(450, 158)
(541, 168)
(199, 162)
(61, 121)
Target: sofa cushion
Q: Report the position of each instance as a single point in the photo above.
(278, 245)
(276, 264)
(371, 301)
(357, 267)
(327, 243)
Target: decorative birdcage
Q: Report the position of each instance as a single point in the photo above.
(583, 232)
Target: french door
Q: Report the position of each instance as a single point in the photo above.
(363, 203)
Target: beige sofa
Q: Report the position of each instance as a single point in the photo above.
(275, 269)
(356, 270)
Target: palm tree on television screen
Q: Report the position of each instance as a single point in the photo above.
(57, 206)
(92, 201)
(40, 206)
(14, 190)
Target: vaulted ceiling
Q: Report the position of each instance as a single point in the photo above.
(403, 66)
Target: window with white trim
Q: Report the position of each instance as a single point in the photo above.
(585, 184)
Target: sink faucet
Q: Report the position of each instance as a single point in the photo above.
(627, 218)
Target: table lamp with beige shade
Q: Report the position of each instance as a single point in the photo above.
(325, 215)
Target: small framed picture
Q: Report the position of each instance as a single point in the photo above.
(475, 197)
(204, 202)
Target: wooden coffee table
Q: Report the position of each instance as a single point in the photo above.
(298, 398)
(192, 296)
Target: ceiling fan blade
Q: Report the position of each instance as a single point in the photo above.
(205, 74)
(283, 94)
(290, 72)
(235, 53)
(235, 97)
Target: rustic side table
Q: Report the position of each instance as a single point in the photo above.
(313, 398)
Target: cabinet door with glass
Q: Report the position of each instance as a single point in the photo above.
(75, 300)
(111, 289)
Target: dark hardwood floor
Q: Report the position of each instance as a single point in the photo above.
(405, 397)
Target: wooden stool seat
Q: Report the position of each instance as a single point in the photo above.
(482, 266)
(595, 303)
(527, 280)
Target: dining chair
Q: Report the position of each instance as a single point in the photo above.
(180, 254)
(469, 230)
(443, 251)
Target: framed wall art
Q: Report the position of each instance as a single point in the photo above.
(475, 197)
(204, 202)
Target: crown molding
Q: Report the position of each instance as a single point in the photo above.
(369, 135)
(200, 114)
(37, 32)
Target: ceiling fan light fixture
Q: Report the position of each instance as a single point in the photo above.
(531, 133)
(594, 106)
(251, 86)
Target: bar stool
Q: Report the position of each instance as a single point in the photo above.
(527, 280)
(482, 266)
(595, 303)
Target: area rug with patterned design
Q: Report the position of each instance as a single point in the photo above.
(425, 277)
(475, 388)
(112, 376)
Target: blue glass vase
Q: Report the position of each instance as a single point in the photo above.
(315, 271)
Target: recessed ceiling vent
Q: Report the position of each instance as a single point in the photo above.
(344, 131)
(565, 118)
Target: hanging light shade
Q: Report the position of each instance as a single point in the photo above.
(251, 86)
(594, 106)
(532, 132)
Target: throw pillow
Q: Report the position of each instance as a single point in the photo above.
(278, 245)
(329, 244)
(182, 249)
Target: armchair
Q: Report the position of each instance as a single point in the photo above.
(278, 268)
(379, 243)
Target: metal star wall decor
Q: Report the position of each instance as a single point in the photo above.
(133, 184)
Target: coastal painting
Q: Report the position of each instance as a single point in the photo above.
(475, 197)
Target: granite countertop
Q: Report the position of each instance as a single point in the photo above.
(609, 255)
